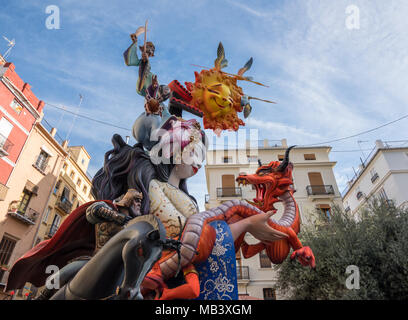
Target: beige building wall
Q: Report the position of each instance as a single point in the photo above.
(30, 187)
(72, 177)
(232, 162)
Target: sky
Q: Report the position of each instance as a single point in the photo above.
(329, 80)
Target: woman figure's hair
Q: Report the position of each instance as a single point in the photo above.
(128, 167)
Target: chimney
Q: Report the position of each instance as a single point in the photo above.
(65, 144)
(265, 143)
(379, 144)
(53, 132)
(40, 105)
(26, 87)
(284, 143)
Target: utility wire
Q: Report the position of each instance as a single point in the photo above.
(305, 145)
(86, 117)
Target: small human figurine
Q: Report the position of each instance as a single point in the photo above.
(131, 59)
(108, 221)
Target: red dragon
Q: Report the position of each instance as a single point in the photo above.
(274, 183)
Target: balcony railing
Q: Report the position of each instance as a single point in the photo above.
(374, 177)
(5, 146)
(229, 192)
(207, 198)
(320, 190)
(64, 204)
(242, 273)
(29, 217)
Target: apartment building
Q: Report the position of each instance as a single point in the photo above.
(20, 109)
(29, 189)
(316, 194)
(383, 174)
(73, 188)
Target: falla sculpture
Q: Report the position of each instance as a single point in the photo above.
(144, 237)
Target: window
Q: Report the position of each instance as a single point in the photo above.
(227, 160)
(16, 106)
(72, 175)
(252, 158)
(54, 226)
(382, 195)
(325, 208)
(281, 157)
(79, 182)
(65, 166)
(74, 198)
(25, 199)
(264, 260)
(5, 128)
(42, 161)
(65, 194)
(309, 156)
(46, 215)
(85, 189)
(57, 187)
(7, 245)
(269, 294)
(83, 161)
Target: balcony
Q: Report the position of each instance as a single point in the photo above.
(64, 204)
(243, 273)
(29, 217)
(374, 177)
(5, 146)
(320, 190)
(229, 192)
(359, 195)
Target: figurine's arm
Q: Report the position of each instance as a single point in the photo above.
(100, 212)
(130, 55)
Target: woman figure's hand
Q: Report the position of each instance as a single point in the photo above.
(259, 228)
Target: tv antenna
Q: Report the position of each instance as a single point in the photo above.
(10, 45)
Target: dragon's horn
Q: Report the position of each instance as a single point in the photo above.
(220, 56)
(246, 67)
(285, 161)
(259, 162)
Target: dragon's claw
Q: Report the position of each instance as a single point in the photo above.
(305, 256)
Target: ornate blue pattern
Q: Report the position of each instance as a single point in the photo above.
(218, 275)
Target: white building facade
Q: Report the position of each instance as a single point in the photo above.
(384, 175)
(315, 186)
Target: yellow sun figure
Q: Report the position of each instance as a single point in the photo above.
(217, 96)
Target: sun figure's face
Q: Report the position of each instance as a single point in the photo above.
(217, 97)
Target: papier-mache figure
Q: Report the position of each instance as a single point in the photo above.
(159, 245)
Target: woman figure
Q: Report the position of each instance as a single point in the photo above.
(160, 173)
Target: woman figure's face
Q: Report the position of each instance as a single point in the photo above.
(185, 171)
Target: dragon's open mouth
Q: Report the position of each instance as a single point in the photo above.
(289, 205)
